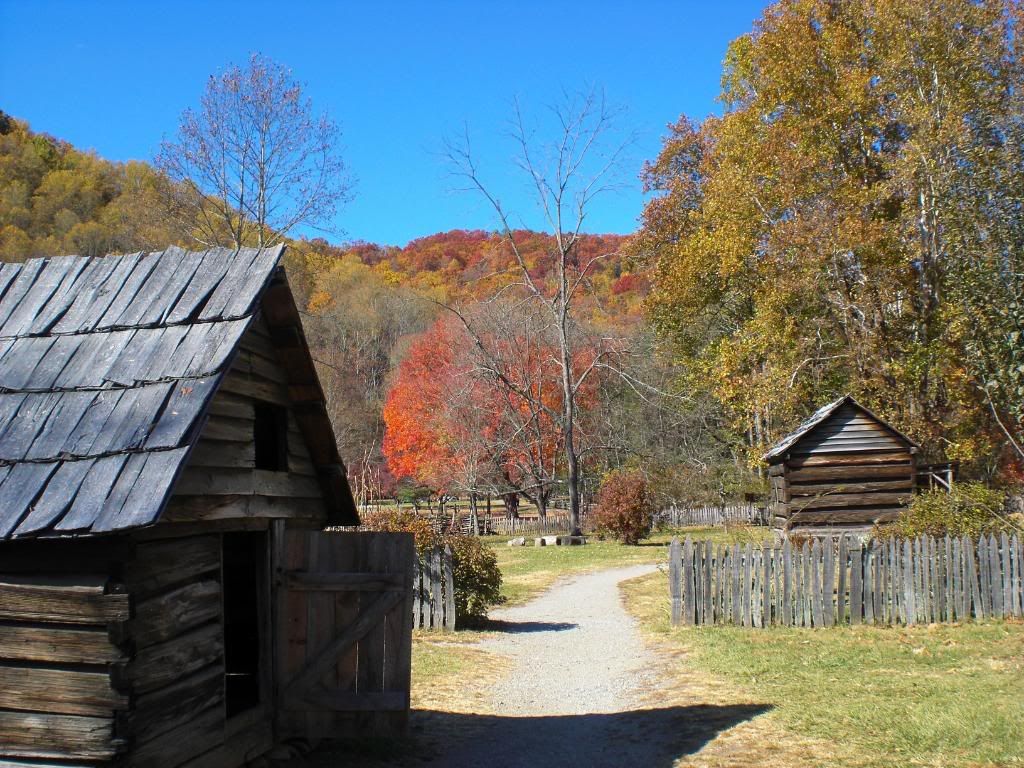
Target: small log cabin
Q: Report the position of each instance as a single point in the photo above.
(168, 594)
(841, 471)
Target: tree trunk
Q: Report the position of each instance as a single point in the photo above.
(511, 505)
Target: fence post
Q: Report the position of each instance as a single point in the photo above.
(675, 580)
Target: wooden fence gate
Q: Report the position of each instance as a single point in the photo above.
(829, 582)
(344, 644)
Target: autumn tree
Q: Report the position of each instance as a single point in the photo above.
(255, 161)
(840, 225)
(566, 174)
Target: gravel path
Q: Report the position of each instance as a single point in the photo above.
(582, 689)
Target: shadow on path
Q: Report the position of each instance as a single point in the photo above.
(645, 738)
(521, 627)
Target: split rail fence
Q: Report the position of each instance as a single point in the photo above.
(841, 581)
(433, 602)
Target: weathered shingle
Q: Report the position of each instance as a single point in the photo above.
(106, 367)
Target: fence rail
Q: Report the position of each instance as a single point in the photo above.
(832, 581)
(711, 515)
(433, 602)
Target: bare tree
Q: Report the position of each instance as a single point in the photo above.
(566, 174)
(255, 161)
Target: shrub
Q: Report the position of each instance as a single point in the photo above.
(393, 520)
(625, 508)
(477, 579)
(970, 509)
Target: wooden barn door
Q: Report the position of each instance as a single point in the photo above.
(343, 632)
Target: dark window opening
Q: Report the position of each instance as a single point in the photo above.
(271, 437)
(244, 579)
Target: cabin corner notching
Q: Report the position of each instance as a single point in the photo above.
(842, 471)
(167, 468)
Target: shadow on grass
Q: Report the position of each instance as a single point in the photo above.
(524, 627)
(651, 738)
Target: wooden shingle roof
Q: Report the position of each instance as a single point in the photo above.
(820, 416)
(107, 365)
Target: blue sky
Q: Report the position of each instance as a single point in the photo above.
(400, 77)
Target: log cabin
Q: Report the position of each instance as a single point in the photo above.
(841, 471)
(169, 595)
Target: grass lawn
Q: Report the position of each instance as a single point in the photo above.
(528, 571)
(923, 696)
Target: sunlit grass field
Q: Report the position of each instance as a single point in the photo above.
(921, 696)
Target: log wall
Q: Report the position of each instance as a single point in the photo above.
(847, 474)
(220, 480)
(63, 651)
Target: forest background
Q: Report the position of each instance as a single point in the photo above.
(850, 223)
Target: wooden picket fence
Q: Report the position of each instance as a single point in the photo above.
(433, 603)
(840, 581)
(710, 515)
(553, 523)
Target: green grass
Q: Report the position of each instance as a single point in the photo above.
(528, 571)
(932, 695)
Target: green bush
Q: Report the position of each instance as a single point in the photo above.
(477, 579)
(625, 507)
(970, 509)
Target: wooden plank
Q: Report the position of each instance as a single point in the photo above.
(86, 317)
(128, 290)
(675, 577)
(899, 485)
(88, 502)
(173, 748)
(56, 498)
(235, 279)
(221, 481)
(787, 584)
(47, 283)
(127, 426)
(217, 349)
(51, 441)
(29, 422)
(379, 605)
(158, 565)
(72, 600)
(688, 581)
(34, 735)
(844, 554)
(58, 645)
(856, 586)
(181, 412)
(436, 603)
(204, 281)
(173, 707)
(18, 489)
(19, 288)
(828, 583)
(839, 500)
(909, 596)
(877, 576)
(58, 691)
(164, 663)
(172, 289)
(708, 607)
(744, 593)
(167, 615)
(345, 582)
(240, 301)
(880, 459)
(73, 285)
(238, 455)
(868, 585)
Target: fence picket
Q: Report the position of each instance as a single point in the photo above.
(675, 586)
(856, 586)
